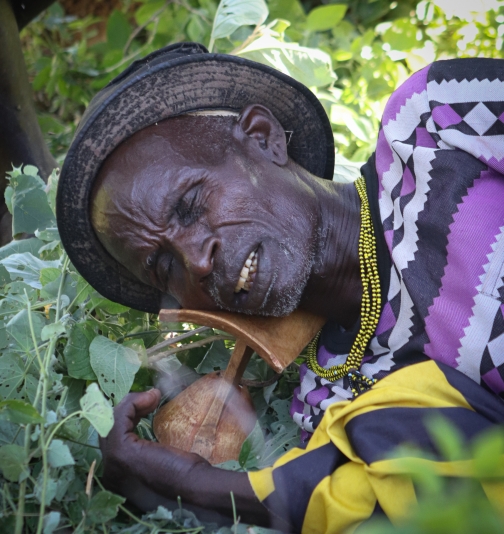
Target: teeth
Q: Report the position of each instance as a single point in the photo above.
(249, 267)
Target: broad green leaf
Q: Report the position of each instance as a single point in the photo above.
(401, 35)
(113, 308)
(27, 267)
(115, 366)
(52, 330)
(488, 451)
(20, 412)
(65, 478)
(30, 207)
(359, 126)
(217, 357)
(31, 245)
(51, 522)
(48, 235)
(104, 507)
(252, 448)
(18, 330)
(309, 66)
(231, 14)
(147, 10)
(324, 18)
(49, 274)
(118, 30)
(286, 437)
(11, 374)
(59, 455)
(77, 352)
(51, 487)
(97, 410)
(286, 9)
(9, 433)
(13, 462)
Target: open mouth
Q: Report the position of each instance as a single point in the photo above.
(247, 273)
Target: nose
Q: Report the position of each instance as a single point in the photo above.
(199, 258)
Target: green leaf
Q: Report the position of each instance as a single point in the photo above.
(104, 506)
(217, 357)
(49, 274)
(27, 267)
(11, 374)
(252, 448)
(51, 522)
(309, 66)
(51, 189)
(324, 18)
(231, 14)
(97, 410)
(401, 35)
(48, 235)
(20, 412)
(18, 330)
(447, 437)
(52, 330)
(30, 207)
(118, 30)
(488, 450)
(30, 245)
(77, 352)
(13, 462)
(114, 365)
(51, 486)
(65, 478)
(59, 455)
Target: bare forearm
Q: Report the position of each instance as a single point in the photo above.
(196, 482)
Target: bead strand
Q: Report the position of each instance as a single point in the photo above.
(370, 305)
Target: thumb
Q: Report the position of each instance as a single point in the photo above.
(133, 407)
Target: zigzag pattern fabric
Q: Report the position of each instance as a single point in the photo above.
(438, 174)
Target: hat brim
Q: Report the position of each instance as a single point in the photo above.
(155, 91)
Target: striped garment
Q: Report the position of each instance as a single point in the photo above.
(436, 191)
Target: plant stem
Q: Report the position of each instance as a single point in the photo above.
(188, 346)
(173, 340)
(43, 443)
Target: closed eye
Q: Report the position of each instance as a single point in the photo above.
(188, 209)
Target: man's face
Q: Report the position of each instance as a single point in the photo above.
(184, 215)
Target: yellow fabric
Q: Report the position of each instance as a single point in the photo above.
(347, 497)
(340, 501)
(262, 482)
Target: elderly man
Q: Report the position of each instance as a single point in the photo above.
(200, 180)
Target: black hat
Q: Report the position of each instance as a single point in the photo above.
(173, 81)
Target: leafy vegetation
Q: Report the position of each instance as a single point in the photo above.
(68, 355)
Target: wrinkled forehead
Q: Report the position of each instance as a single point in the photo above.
(198, 138)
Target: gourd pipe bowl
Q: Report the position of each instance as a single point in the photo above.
(215, 414)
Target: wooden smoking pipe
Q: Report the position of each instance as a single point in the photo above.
(214, 415)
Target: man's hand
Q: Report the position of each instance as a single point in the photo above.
(149, 474)
(135, 467)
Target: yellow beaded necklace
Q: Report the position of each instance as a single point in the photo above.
(370, 307)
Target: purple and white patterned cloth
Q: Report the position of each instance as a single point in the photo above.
(437, 184)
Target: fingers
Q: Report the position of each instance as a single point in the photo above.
(133, 407)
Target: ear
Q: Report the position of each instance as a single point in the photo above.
(260, 125)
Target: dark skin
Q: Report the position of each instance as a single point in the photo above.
(185, 221)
